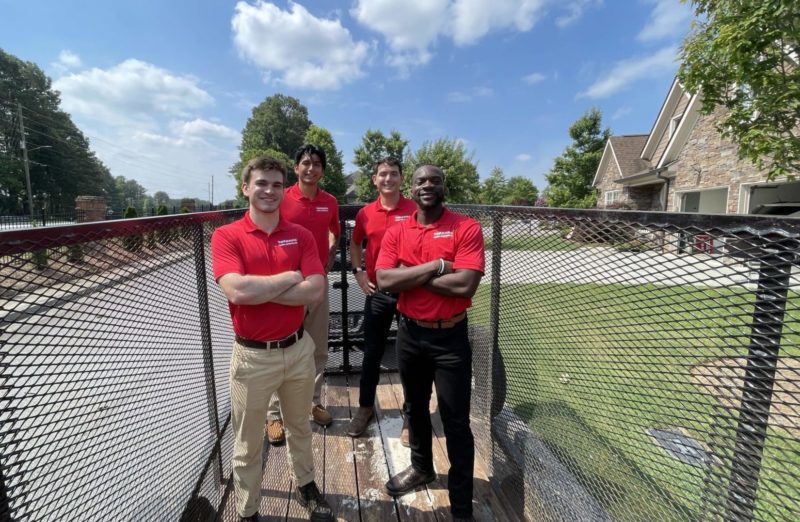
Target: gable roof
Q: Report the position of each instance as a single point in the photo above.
(626, 152)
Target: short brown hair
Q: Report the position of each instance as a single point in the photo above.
(388, 160)
(264, 164)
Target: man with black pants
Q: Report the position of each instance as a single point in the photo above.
(372, 222)
(435, 261)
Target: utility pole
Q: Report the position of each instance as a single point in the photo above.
(25, 161)
(212, 191)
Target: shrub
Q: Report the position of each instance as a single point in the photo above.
(131, 243)
(40, 258)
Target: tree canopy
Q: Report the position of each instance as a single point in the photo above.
(280, 123)
(493, 188)
(61, 164)
(374, 146)
(460, 172)
(333, 180)
(743, 56)
(520, 191)
(570, 179)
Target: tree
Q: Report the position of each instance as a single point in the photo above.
(61, 165)
(571, 176)
(160, 198)
(493, 189)
(375, 146)
(333, 180)
(520, 191)
(280, 123)
(742, 56)
(245, 156)
(460, 173)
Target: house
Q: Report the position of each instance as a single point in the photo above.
(684, 165)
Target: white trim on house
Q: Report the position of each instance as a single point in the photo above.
(682, 133)
(604, 162)
(745, 191)
(660, 125)
(617, 195)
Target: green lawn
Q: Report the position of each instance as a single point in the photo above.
(592, 367)
(531, 243)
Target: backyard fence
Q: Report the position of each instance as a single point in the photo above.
(627, 366)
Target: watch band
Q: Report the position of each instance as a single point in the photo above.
(358, 269)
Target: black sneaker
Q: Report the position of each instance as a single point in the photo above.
(252, 518)
(311, 499)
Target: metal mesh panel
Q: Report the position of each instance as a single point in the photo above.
(643, 366)
(112, 402)
(627, 366)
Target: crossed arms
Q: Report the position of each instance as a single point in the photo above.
(452, 283)
(287, 288)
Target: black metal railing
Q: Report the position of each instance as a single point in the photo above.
(627, 366)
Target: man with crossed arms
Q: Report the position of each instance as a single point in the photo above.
(435, 261)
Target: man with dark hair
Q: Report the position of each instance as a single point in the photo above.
(372, 221)
(268, 270)
(307, 205)
(435, 261)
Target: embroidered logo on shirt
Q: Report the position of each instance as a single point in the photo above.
(287, 242)
(444, 234)
(322, 209)
(401, 218)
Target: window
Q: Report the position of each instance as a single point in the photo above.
(612, 196)
(673, 124)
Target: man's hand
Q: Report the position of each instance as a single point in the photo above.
(366, 285)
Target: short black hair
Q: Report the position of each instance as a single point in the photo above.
(264, 164)
(388, 160)
(309, 149)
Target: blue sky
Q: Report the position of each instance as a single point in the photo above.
(163, 89)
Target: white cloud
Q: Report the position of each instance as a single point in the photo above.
(133, 91)
(146, 123)
(476, 92)
(473, 19)
(574, 10)
(200, 128)
(302, 50)
(522, 157)
(669, 19)
(69, 59)
(534, 78)
(410, 27)
(629, 71)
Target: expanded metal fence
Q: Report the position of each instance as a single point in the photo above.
(627, 366)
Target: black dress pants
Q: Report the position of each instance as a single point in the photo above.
(379, 311)
(442, 357)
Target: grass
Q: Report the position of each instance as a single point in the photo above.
(531, 243)
(592, 367)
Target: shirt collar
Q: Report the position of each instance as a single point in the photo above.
(295, 191)
(250, 227)
(443, 219)
(380, 208)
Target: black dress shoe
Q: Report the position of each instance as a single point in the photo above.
(408, 480)
(252, 518)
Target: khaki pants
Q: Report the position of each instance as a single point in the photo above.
(316, 325)
(256, 375)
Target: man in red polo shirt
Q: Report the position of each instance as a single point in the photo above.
(435, 261)
(268, 270)
(316, 210)
(372, 221)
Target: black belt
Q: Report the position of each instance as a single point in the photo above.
(390, 294)
(439, 323)
(271, 345)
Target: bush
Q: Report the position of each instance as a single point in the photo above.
(75, 253)
(40, 258)
(163, 236)
(131, 243)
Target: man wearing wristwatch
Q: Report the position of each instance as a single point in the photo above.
(372, 221)
(435, 261)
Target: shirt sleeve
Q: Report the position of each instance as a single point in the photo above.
(309, 260)
(390, 248)
(225, 256)
(469, 250)
(359, 231)
(334, 226)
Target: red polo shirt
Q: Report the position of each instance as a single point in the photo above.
(243, 248)
(319, 215)
(455, 238)
(372, 221)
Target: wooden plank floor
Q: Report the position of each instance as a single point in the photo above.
(352, 472)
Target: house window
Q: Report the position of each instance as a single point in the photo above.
(673, 124)
(612, 196)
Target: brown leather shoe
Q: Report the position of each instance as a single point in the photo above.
(360, 420)
(321, 415)
(404, 434)
(275, 433)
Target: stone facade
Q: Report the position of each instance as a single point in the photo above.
(709, 161)
(605, 183)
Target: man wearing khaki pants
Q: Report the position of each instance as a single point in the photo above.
(269, 271)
